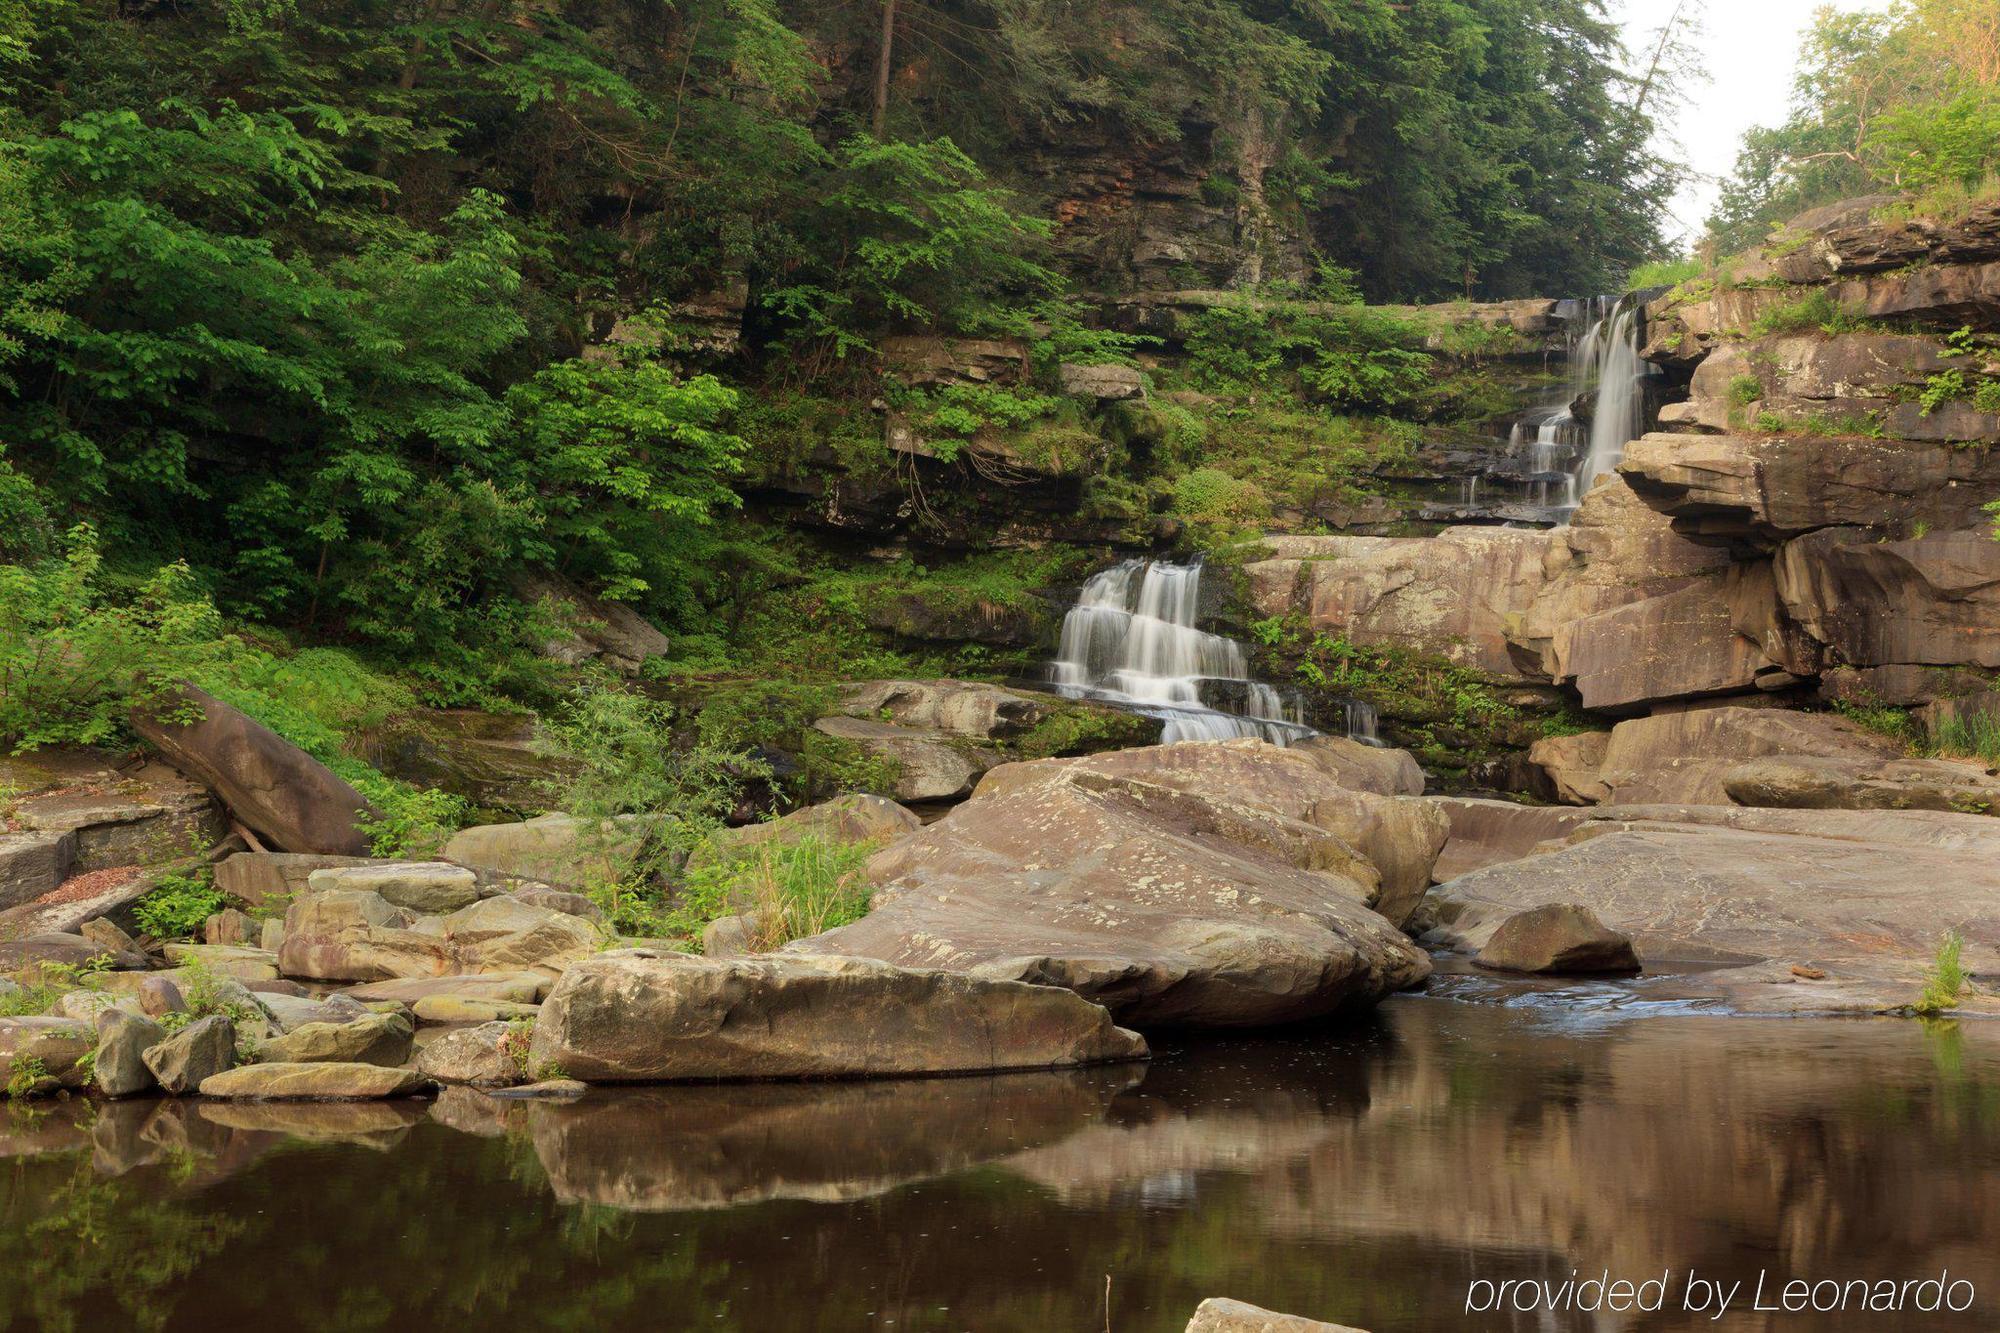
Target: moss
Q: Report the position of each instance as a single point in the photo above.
(1072, 728)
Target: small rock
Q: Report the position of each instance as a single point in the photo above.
(292, 1011)
(320, 1082)
(199, 1051)
(277, 986)
(1558, 938)
(1805, 973)
(103, 932)
(727, 937)
(378, 1039)
(522, 987)
(230, 926)
(123, 1038)
(443, 1009)
(490, 1055)
(159, 995)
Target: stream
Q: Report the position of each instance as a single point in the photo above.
(1364, 1173)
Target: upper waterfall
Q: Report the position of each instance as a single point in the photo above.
(1131, 640)
(1564, 454)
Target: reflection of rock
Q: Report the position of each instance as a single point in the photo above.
(1220, 1315)
(377, 1125)
(714, 1147)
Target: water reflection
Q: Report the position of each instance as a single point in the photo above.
(1362, 1174)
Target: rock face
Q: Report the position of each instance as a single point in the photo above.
(1932, 600)
(1359, 767)
(1557, 938)
(1485, 833)
(928, 764)
(1818, 783)
(1687, 757)
(638, 1016)
(1217, 1315)
(291, 800)
(1575, 765)
(1202, 884)
(1860, 894)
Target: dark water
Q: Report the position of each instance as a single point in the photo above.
(1363, 1175)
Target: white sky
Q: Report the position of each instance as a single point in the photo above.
(1751, 47)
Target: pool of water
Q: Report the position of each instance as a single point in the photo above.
(1366, 1174)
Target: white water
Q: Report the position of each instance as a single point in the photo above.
(1564, 456)
(1131, 641)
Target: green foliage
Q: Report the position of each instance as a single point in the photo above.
(1946, 980)
(1208, 495)
(1952, 144)
(787, 890)
(177, 905)
(1975, 735)
(28, 1076)
(41, 985)
(206, 994)
(73, 660)
(778, 715)
(1884, 720)
(410, 822)
(1816, 310)
(1664, 273)
(1350, 355)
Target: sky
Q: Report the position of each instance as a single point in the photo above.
(1750, 49)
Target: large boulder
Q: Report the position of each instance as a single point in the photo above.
(41, 1054)
(123, 1038)
(955, 707)
(55, 946)
(356, 935)
(1557, 938)
(1207, 884)
(552, 849)
(429, 887)
(288, 798)
(376, 1039)
(1686, 757)
(1574, 765)
(1680, 645)
(592, 628)
(855, 817)
(203, 1048)
(1359, 767)
(258, 877)
(639, 1016)
(488, 1055)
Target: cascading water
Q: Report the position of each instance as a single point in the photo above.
(1562, 456)
(1131, 641)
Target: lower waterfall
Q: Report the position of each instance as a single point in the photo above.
(1131, 641)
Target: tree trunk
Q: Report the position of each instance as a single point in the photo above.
(882, 69)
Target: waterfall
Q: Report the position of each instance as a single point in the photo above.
(1564, 457)
(1131, 641)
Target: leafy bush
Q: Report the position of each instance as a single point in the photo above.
(1972, 734)
(177, 905)
(72, 662)
(1817, 309)
(1928, 146)
(1664, 273)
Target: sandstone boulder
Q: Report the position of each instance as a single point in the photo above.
(1682, 644)
(1557, 938)
(459, 1009)
(203, 1048)
(1686, 757)
(1574, 765)
(257, 877)
(856, 817)
(1371, 768)
(54, 946)
(517, 987)
(489, 1055)
(1931, 600)
(956, 707)
(554, 849)
(229, 926)
(429, 887)
(1486, 832)
(123, 1038)
(291, 800)
(313, 1082)
(643, 1017)
(377, 1039)
(42, 1054)
(592, 627)
(227, 960)
(1208, 884)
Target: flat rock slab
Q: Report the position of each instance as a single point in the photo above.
(1209, 884)
(1852, 893)
(319, 1082)
(230, 960)
(515, 987)
(432, 887)
(459, 1009)
(641, 1016)
(254, 877)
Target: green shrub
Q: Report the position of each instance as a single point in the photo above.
(1817, 309)
(787, 891)
(73, 662)
(1210, 495)
(1972, 734)
(1945, 982)
(1663, 273)
(177, 905)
